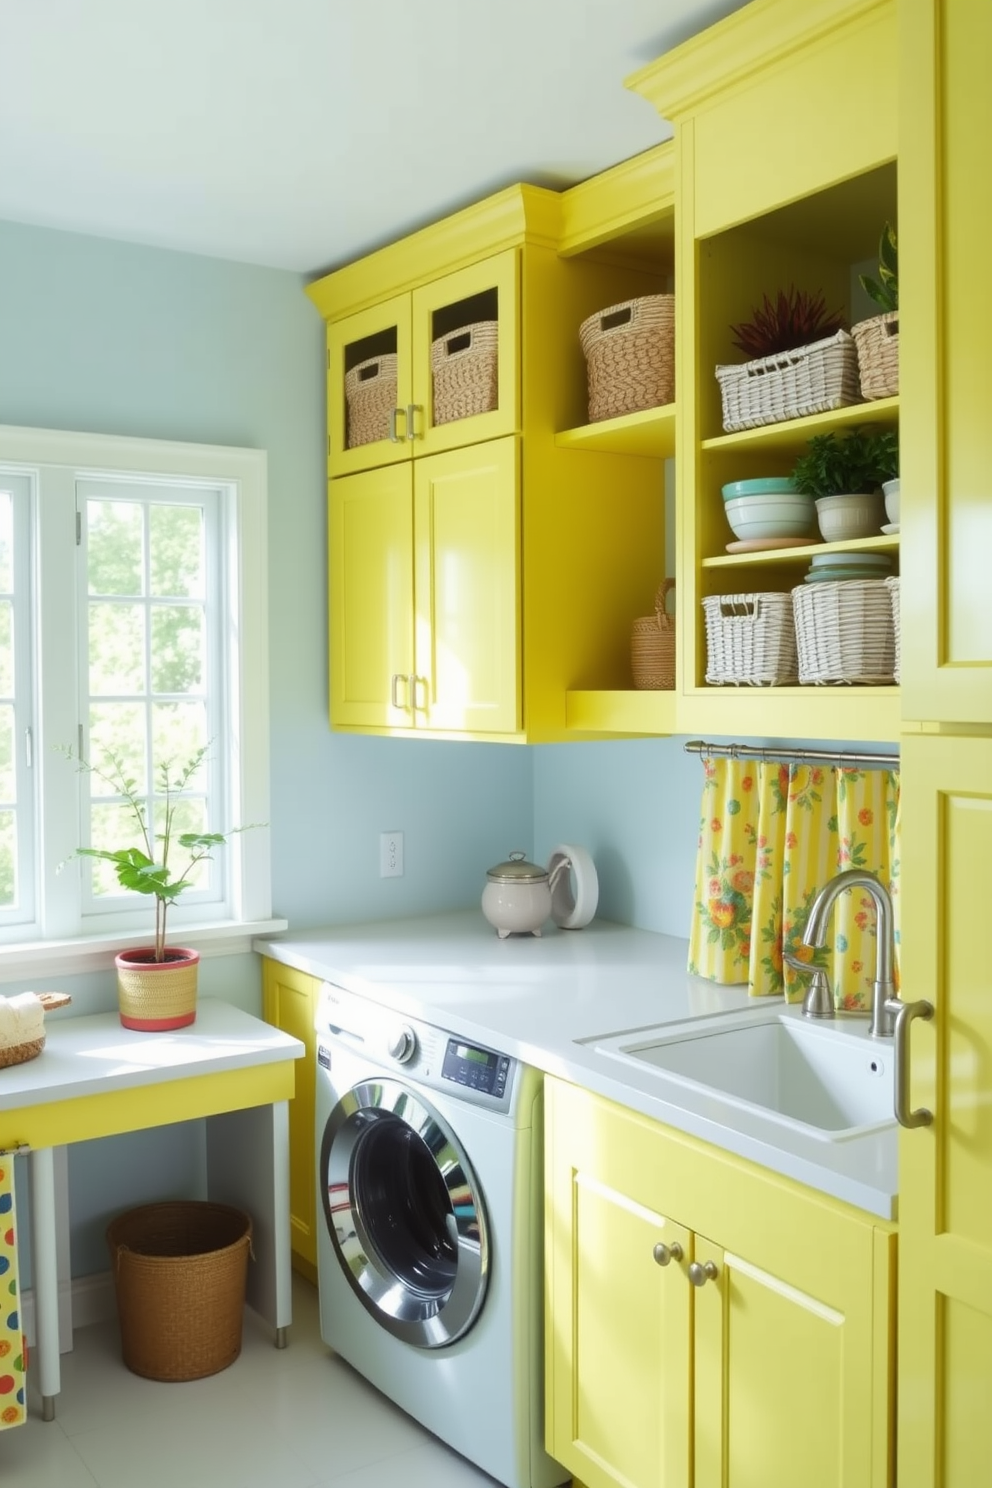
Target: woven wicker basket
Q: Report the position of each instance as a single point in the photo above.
(179, 1274)
(892, 584)
(751, 639)
(11, 1054)
(790, 384)
(652, 645)
(154, 996)
(465, 365)
(877, 342)
(630, 356)
(844, 632)
(370, 397)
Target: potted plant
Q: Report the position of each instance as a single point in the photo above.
(156, 984)
(877, 338)
(844, 474)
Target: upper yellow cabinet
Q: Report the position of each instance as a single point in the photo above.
(783, 186)
(485, 561)
(392, 370)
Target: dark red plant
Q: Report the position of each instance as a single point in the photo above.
(794, 319)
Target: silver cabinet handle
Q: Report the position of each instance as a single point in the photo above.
(394, 434)
(904, 1013)
(412, 409)
(665, 1254)
(701, 1273)
(398, 677)
(415, 682)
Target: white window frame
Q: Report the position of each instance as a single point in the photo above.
(55, 460)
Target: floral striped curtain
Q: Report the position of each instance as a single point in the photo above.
(770, 837)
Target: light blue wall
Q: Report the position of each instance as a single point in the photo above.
(107, 337)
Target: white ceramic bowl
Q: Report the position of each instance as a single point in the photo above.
(849, 515)
(891, 492)
(775, 514)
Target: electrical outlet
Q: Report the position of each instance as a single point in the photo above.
(390, 854)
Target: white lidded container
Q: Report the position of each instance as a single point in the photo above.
(517, 897)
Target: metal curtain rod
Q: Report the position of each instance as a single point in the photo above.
(795, 756)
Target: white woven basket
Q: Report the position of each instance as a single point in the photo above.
(892, 584)
(844, 632)
(750, 639)
(790, 384)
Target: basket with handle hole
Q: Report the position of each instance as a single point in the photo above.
(750, 640)
(652, 645)
(877, 342)
(465, 367)
(370, 397)
(630, 356)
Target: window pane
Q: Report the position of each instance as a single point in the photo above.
(6, 648)
(6, 542)
(177, 648)
(176, 552)
(112, 827)
(114, 539)
(8, 779)
(117, 649)
(190, 816)
(117, 728)
(8, 860)
(178, 731)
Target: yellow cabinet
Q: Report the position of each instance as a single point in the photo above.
(945, 191)
(781, 188)
(945, 1167)
(424, 601)
(289, 1002)
(746, 1340)
(401, 338)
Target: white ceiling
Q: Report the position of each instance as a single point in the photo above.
(301, 133)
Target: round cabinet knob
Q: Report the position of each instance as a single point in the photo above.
(402, 1043)
(699, 1275)
(665, 1254)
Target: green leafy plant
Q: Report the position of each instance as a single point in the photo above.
(145, 868)
(885, 289)
(793, 319)
(858, 462)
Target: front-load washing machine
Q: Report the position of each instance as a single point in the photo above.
(429, 1177)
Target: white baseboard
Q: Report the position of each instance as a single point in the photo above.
(90, 1300)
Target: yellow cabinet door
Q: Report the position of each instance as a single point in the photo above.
(466, 523)
(618, 1355)
(945, 218)
(782, 1390)
(366, 354)
(370, 575)
(288, 1001)
(945, 1168)
(444, 394)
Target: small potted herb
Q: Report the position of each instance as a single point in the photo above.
(786, 340)
(844, 475)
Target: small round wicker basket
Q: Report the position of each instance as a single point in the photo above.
(652, 645)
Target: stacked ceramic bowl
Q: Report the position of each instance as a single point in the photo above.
(767, 509)
(832, 567)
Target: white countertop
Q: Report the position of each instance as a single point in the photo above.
(89, 1055)
(547, 1000)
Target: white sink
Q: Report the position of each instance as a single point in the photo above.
(828, 1079)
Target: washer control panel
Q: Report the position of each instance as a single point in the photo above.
(476, 1068)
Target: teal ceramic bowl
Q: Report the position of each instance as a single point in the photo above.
(765, 486)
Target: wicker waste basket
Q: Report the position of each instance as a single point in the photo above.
(652, 645)
(179, 1273)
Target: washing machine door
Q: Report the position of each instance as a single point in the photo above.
(405, 1213)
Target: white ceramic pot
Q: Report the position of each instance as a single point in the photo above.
(517, 897)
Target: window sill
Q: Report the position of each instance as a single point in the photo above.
(52, 958)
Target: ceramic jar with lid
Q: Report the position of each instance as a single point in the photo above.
(517, 897)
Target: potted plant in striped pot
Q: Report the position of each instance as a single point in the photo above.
(156, 984)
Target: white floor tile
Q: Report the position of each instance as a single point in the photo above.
(39, 1455)
(430, 1465)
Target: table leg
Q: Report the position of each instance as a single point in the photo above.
(46, 1280)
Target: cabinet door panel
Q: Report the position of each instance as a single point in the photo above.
(945, 1187)
(289, 997)
(782, 1382)
(370, 568)
(467, 589)
(356, 344)
(484, 291)
(618, 1338)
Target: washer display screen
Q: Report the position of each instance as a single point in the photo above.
(476, 1068)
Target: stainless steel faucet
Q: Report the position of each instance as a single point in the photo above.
(883, 989)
